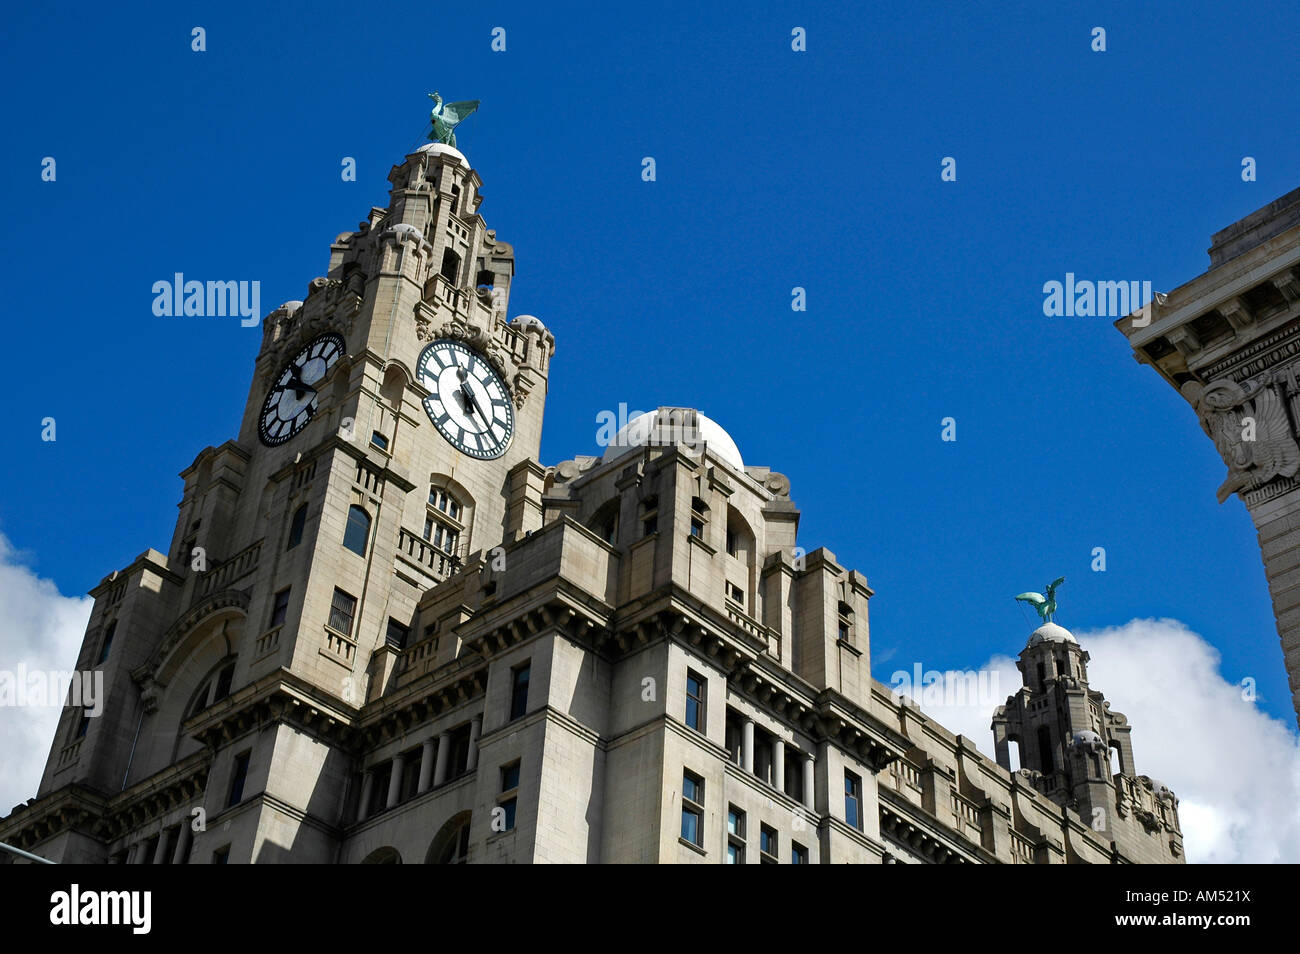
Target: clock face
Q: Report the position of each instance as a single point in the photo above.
(468, 402)
(293, 400)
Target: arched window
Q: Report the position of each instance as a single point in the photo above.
(451, 845)
(296, 526)
(358, 530)
(383, 856)
(213, 689)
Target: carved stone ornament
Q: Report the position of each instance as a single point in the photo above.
(1250, 427)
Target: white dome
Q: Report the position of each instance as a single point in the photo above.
(665, 426)
(442, 149)
(1051, 633)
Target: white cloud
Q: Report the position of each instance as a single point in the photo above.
(1235, 770)
(42, 631)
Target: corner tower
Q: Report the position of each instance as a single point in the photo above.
(1078, 752)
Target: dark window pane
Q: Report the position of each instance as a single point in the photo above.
(108, 641)
(238, 777)
(296, 527)
(281, 607)
(341, 611)
(510, 777)
(690, 826)
(519, 692)
(358, 530)
(224, 679)
(396, 635)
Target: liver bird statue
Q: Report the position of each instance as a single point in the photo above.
(1045, 605)
(447, 116)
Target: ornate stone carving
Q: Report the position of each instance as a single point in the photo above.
(1249, 425)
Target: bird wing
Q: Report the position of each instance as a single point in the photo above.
(1036, 598)
(455, 112)
(1055, 583)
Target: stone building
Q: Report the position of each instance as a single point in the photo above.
(1228, 342)
(384, 632)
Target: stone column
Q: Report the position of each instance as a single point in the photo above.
(367, 783)
(183, 839)
(747, 746)
(809, 791)
(475, 727)
(395, 781)
(160, 852)
(444, 750)
(426, 766)
(778, 764)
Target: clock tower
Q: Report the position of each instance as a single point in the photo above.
(392, 427)
(389, 441)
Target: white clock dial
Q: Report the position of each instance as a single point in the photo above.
(468, 402)
(293, 399)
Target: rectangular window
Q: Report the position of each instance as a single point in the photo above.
(509, 786)
(379, 440)
(735, 836)
(735, 593)
(519, 691)
(221, 856)
(798, 854)
(695, 689)
(280, 608)
(380, 777)
(697, 527)
(108, 641)
(82, 726)
(767, 844)
(853, 800)
(458, 757)
(238, 776)
(410, 774)
(731, 542)
(342, 609)
(397, 634)
(693, 809)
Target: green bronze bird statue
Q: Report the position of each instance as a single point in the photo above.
(1045, 605)
(447, 116)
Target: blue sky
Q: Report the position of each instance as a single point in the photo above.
(775, 169)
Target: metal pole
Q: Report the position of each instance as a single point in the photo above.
(24, 854)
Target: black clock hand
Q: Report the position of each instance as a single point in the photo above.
(298, 385)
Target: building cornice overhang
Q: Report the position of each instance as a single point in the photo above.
(921, 833)
(103, 817)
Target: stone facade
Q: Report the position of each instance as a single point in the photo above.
(1229, 342)
(616, 659)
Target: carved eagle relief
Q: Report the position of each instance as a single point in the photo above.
(1249, 425)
